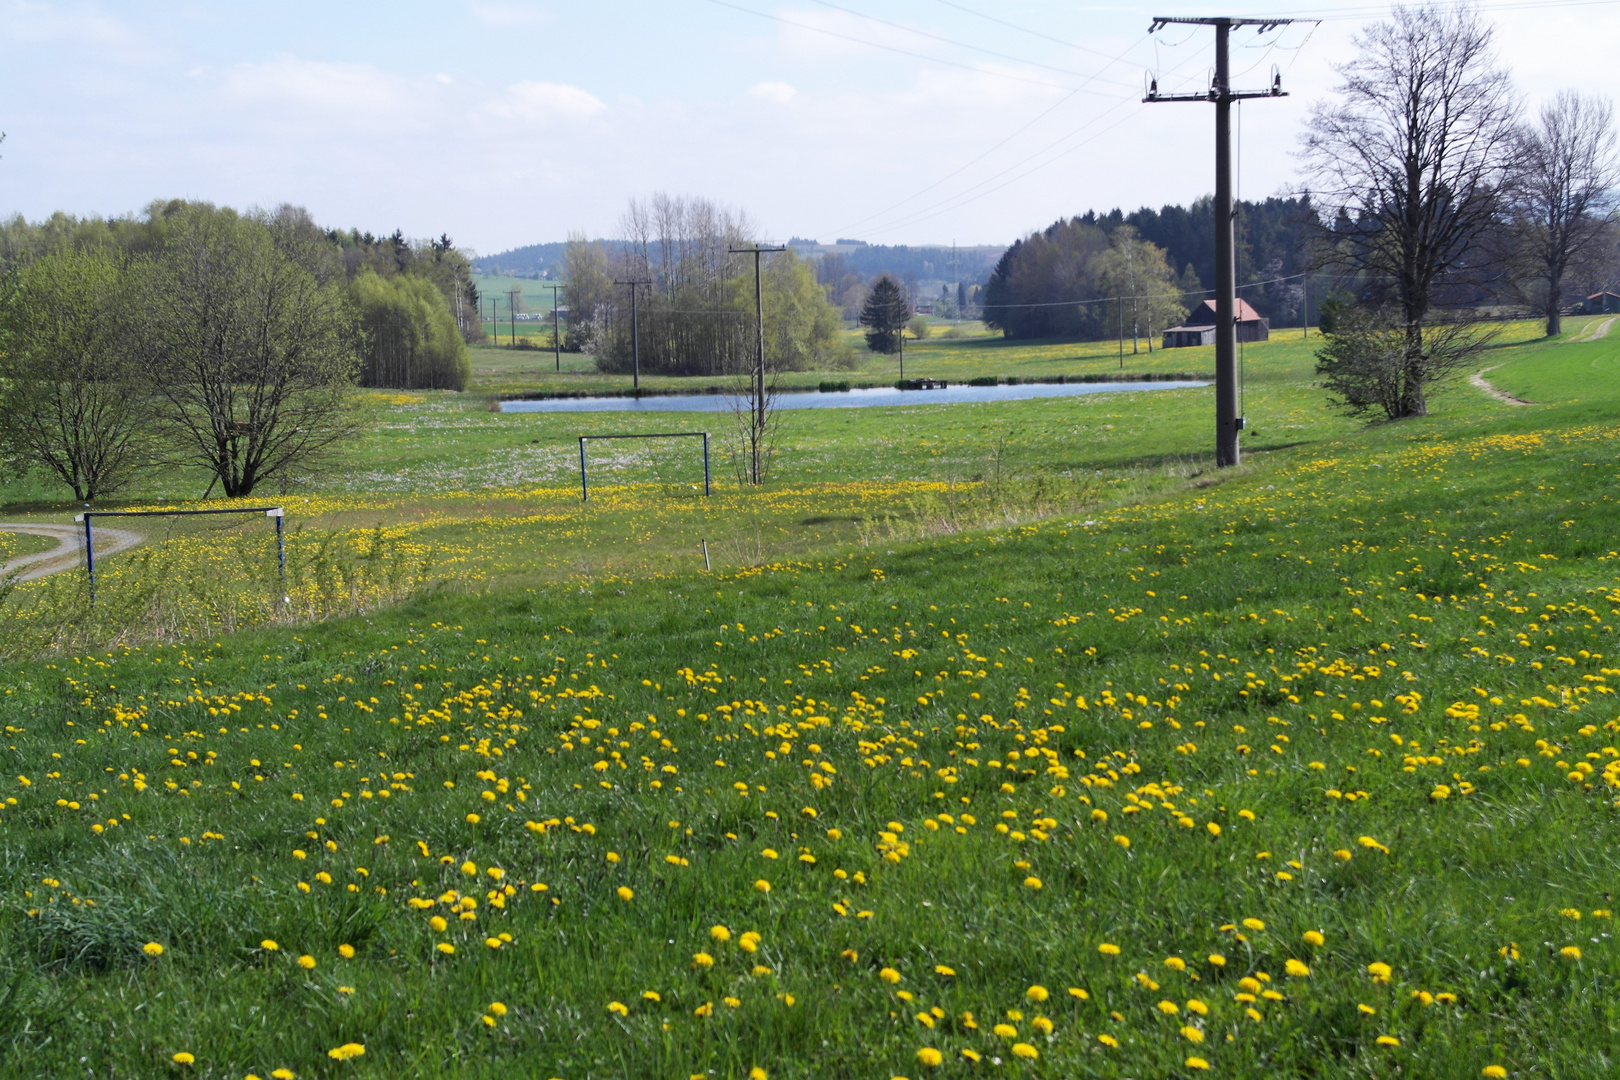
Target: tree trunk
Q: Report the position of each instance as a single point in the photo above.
(1555, 320)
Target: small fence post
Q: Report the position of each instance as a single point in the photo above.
(584, 490)
(89, 554)
(705, 482)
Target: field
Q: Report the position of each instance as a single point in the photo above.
(1002, 740)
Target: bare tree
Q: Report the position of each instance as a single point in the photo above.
(1564, 194)
(252, 359)
(1415, 151)
(69, 399)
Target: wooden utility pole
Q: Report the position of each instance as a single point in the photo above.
(635, 333)
(556, 325)
(514, 298)
(1227, 421)
(756, 432)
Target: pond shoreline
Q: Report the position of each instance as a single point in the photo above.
(839, 386)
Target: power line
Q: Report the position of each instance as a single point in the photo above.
(963, 45)
(968, 165)
(886, 48)
(1020, 29)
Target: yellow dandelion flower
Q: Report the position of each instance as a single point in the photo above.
(762, 885)
(626, 893)
(1192, 1034)
(1217, 959)
(941, 969)
(307, 962)
(1379, 971)
(346, 1051)
(283, 1074)
(930, 1057)
(1197, 1063)
(618, 1008)
(971, 1055)
(889, 975)
(1005, 1031)
(1169, 1008)
(1108, 1040)
(1388, 1040)
(1570, 952)
(1196, 1006)
(702, 959)
(268, 946)
(183, 1058)
(756, 1073)
(1076, 992)
(446, 948)
(346, 951)
(438, 924)
(1037, 993)
(1254, 924)
(1296, 969)
(1108, 949)
(720, 933)
(1494, 1072)
(152, 948)
(1032, 882)
(1314, 938)
(1024, 1050)
(1122, 840)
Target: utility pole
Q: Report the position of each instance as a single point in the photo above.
(1227, 421)
(556, 325)
(902, 354)
(757, 421)
(635, 332)
(513, 299)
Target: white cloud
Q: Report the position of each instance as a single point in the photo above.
(544, 102)
(315, 84)
(779, 93)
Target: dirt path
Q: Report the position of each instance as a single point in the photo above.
(1478, 379)
(68, 552)
(1596, 331)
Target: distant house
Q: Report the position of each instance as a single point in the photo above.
(1601, 303)
(1199, 329)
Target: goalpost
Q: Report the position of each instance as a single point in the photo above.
(90, 546)
(584, 487)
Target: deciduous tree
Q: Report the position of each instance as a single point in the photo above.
(1564, 194)
(251, 359)
(1416, 151)
(70, 401)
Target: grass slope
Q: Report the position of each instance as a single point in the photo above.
(1068, 798)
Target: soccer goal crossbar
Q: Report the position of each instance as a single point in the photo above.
(584, 485)
(90, 544)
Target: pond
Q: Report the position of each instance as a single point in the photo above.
(839, 399)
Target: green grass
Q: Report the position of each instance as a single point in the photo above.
(1420, 615)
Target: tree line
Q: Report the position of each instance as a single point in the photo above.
(694, 312)
(197, 335)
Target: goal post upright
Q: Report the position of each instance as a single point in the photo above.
(584, 484)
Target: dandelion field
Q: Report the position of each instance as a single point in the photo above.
(1307, 770)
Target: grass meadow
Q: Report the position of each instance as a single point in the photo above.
(1001, 740)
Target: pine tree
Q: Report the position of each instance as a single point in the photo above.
(885, 315)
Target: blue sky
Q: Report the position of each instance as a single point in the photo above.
(505, 122)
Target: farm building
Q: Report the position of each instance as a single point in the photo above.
(1601, 303)
(1199, 329)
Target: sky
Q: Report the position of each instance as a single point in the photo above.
(508, 122)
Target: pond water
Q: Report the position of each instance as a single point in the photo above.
(844, 399)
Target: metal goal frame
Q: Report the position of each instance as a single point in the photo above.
(584, 485)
